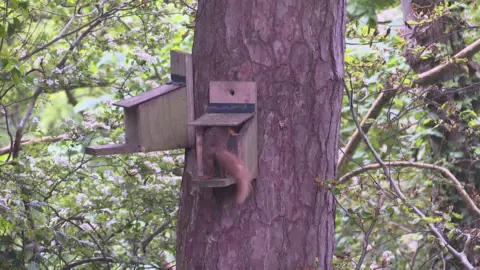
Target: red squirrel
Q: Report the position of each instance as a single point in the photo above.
(215, 141)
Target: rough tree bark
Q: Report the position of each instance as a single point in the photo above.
(294, 51)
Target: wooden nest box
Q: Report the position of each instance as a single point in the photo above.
(232, 104)
(158, 119)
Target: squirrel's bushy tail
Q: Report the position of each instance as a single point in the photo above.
(234, 167)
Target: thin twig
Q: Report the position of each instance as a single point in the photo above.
(444, 171)
(23, 122)
(9, 148)
(144, 243)
(100, 18)
(62, 137)
(88, 260)
(369, 231)
(461, 256)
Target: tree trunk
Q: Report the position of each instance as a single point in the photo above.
(294, 51)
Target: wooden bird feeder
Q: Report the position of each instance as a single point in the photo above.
(158, 119)
(232, 104)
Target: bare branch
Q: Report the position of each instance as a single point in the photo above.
(444, 171)
(356, 139)
(369, 231)
(89, 234)
(100, 18)
(144, 243)
(433, 74)
(88, 260)
(424, 79)
(10, 147)
(23, 122)
(459, 255)
(47, 139)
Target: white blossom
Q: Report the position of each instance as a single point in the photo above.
(153, 166)
(61, 49)
(387, 256)
(62, 161)
(88, 226)
(31, 160)
(106, 191)
(37, 81)
(168, 159)
(81, 197)
(110, 223)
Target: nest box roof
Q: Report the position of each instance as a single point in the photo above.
(146, 96)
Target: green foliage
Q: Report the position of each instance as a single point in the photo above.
(403, 132)
(65, 62)
(58, 206)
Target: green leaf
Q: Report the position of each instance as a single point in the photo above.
(468, 115)
(13, 4)
(61, 237)
(10, 29)
(432, 219)
(16, 76)
(2, 31)
(457, 216)
(474, 123)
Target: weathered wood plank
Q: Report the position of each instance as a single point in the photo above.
(215, 182)
(163, 122)
(181, 64)
(146, 96)
(222, 119)
(111, 149)
(178, 65)
(130, 118)
(249, 145)
(199, 152)
(233, 92)
(190, 99)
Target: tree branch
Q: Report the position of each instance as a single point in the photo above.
(444, 171)
(144, 243)
(459, 255)
(88, 260)
(384, 97)
(62, 137)
(433, 74)
(369, 231)
(10, 147)
(23, 122)
(100, 18)
(356, 139)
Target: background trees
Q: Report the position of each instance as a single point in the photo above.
(63, 62)
(62, 65)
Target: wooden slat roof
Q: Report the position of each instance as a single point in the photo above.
(146, 96)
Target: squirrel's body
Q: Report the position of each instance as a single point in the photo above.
(215, 141)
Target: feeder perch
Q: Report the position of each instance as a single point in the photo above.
(158, 119)
(232, 104)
